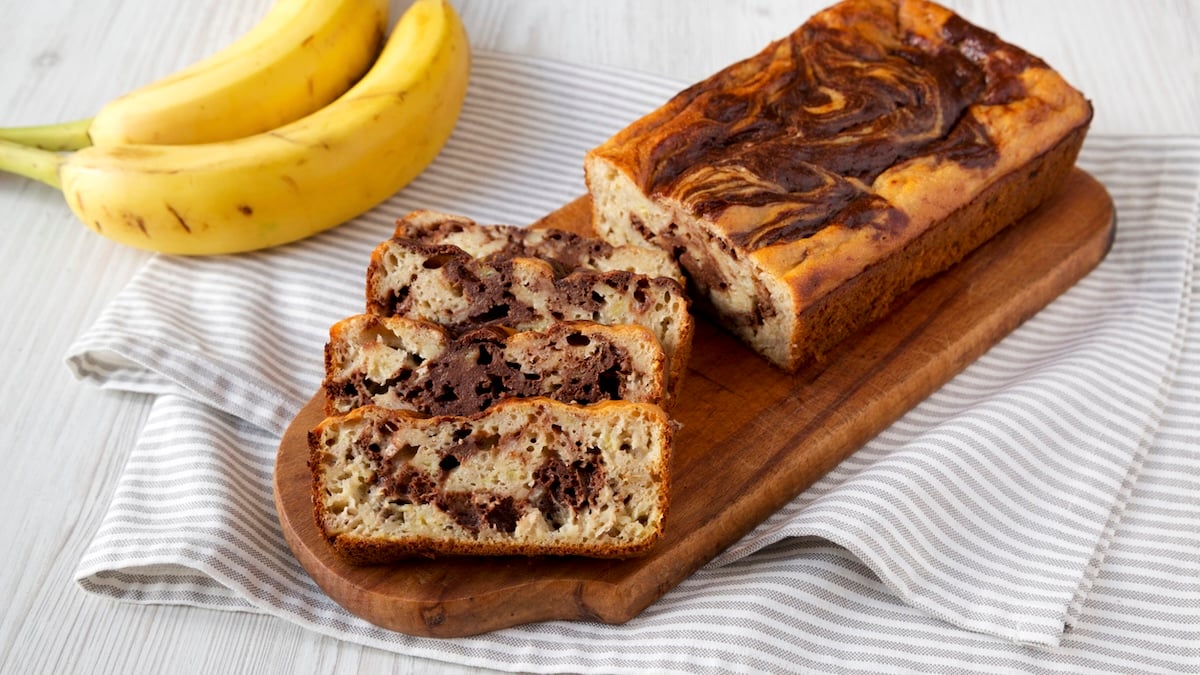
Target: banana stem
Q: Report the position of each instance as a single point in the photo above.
(58, 137)
(30, 162)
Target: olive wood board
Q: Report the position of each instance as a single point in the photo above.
(752, 436)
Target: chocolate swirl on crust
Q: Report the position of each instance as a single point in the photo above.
(800, 131)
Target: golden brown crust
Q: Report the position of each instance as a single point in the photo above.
(829, 152)
(838, 314)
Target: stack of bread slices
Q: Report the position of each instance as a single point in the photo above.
(506, 392)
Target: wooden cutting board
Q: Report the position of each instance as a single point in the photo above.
(752, 438)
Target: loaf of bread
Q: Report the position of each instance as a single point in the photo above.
(443, 284)
(565, 251)
(527, 477)
(809, 186)
(396, 362)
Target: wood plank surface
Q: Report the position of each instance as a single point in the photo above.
(752, 436)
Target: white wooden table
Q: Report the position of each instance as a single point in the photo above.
(65, 443)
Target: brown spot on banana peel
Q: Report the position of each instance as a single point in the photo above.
(284, 137)
(134, 220)
(245, 210)
(288, 139)
(291, 182)
(179, 219)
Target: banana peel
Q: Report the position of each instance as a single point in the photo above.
(300, 56)
(284, 184)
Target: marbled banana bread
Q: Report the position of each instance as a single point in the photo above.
(527, 477)
(408, 364)
(445, 285)
(807, 187)
(565, 251)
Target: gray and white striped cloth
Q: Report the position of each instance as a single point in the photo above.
(1039, 512)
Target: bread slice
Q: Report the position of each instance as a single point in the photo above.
(806, 188)
(408, 364)
(443, 284)
(527, 477)
(565, 251)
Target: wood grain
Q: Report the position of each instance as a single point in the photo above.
(752, 436)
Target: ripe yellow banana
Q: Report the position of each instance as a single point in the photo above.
(285, 184)
(300, 56)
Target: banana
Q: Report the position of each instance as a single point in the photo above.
(284, 184)
(298, 58)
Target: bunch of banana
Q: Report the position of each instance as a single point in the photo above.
(286, 183)
(299, 57)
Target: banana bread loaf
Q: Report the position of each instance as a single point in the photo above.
(443, 284)
(527, 477)
(805, 188)
(401, 363)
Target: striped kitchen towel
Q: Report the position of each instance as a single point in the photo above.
(1041, 511)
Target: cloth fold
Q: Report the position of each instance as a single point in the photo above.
(993, 525)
